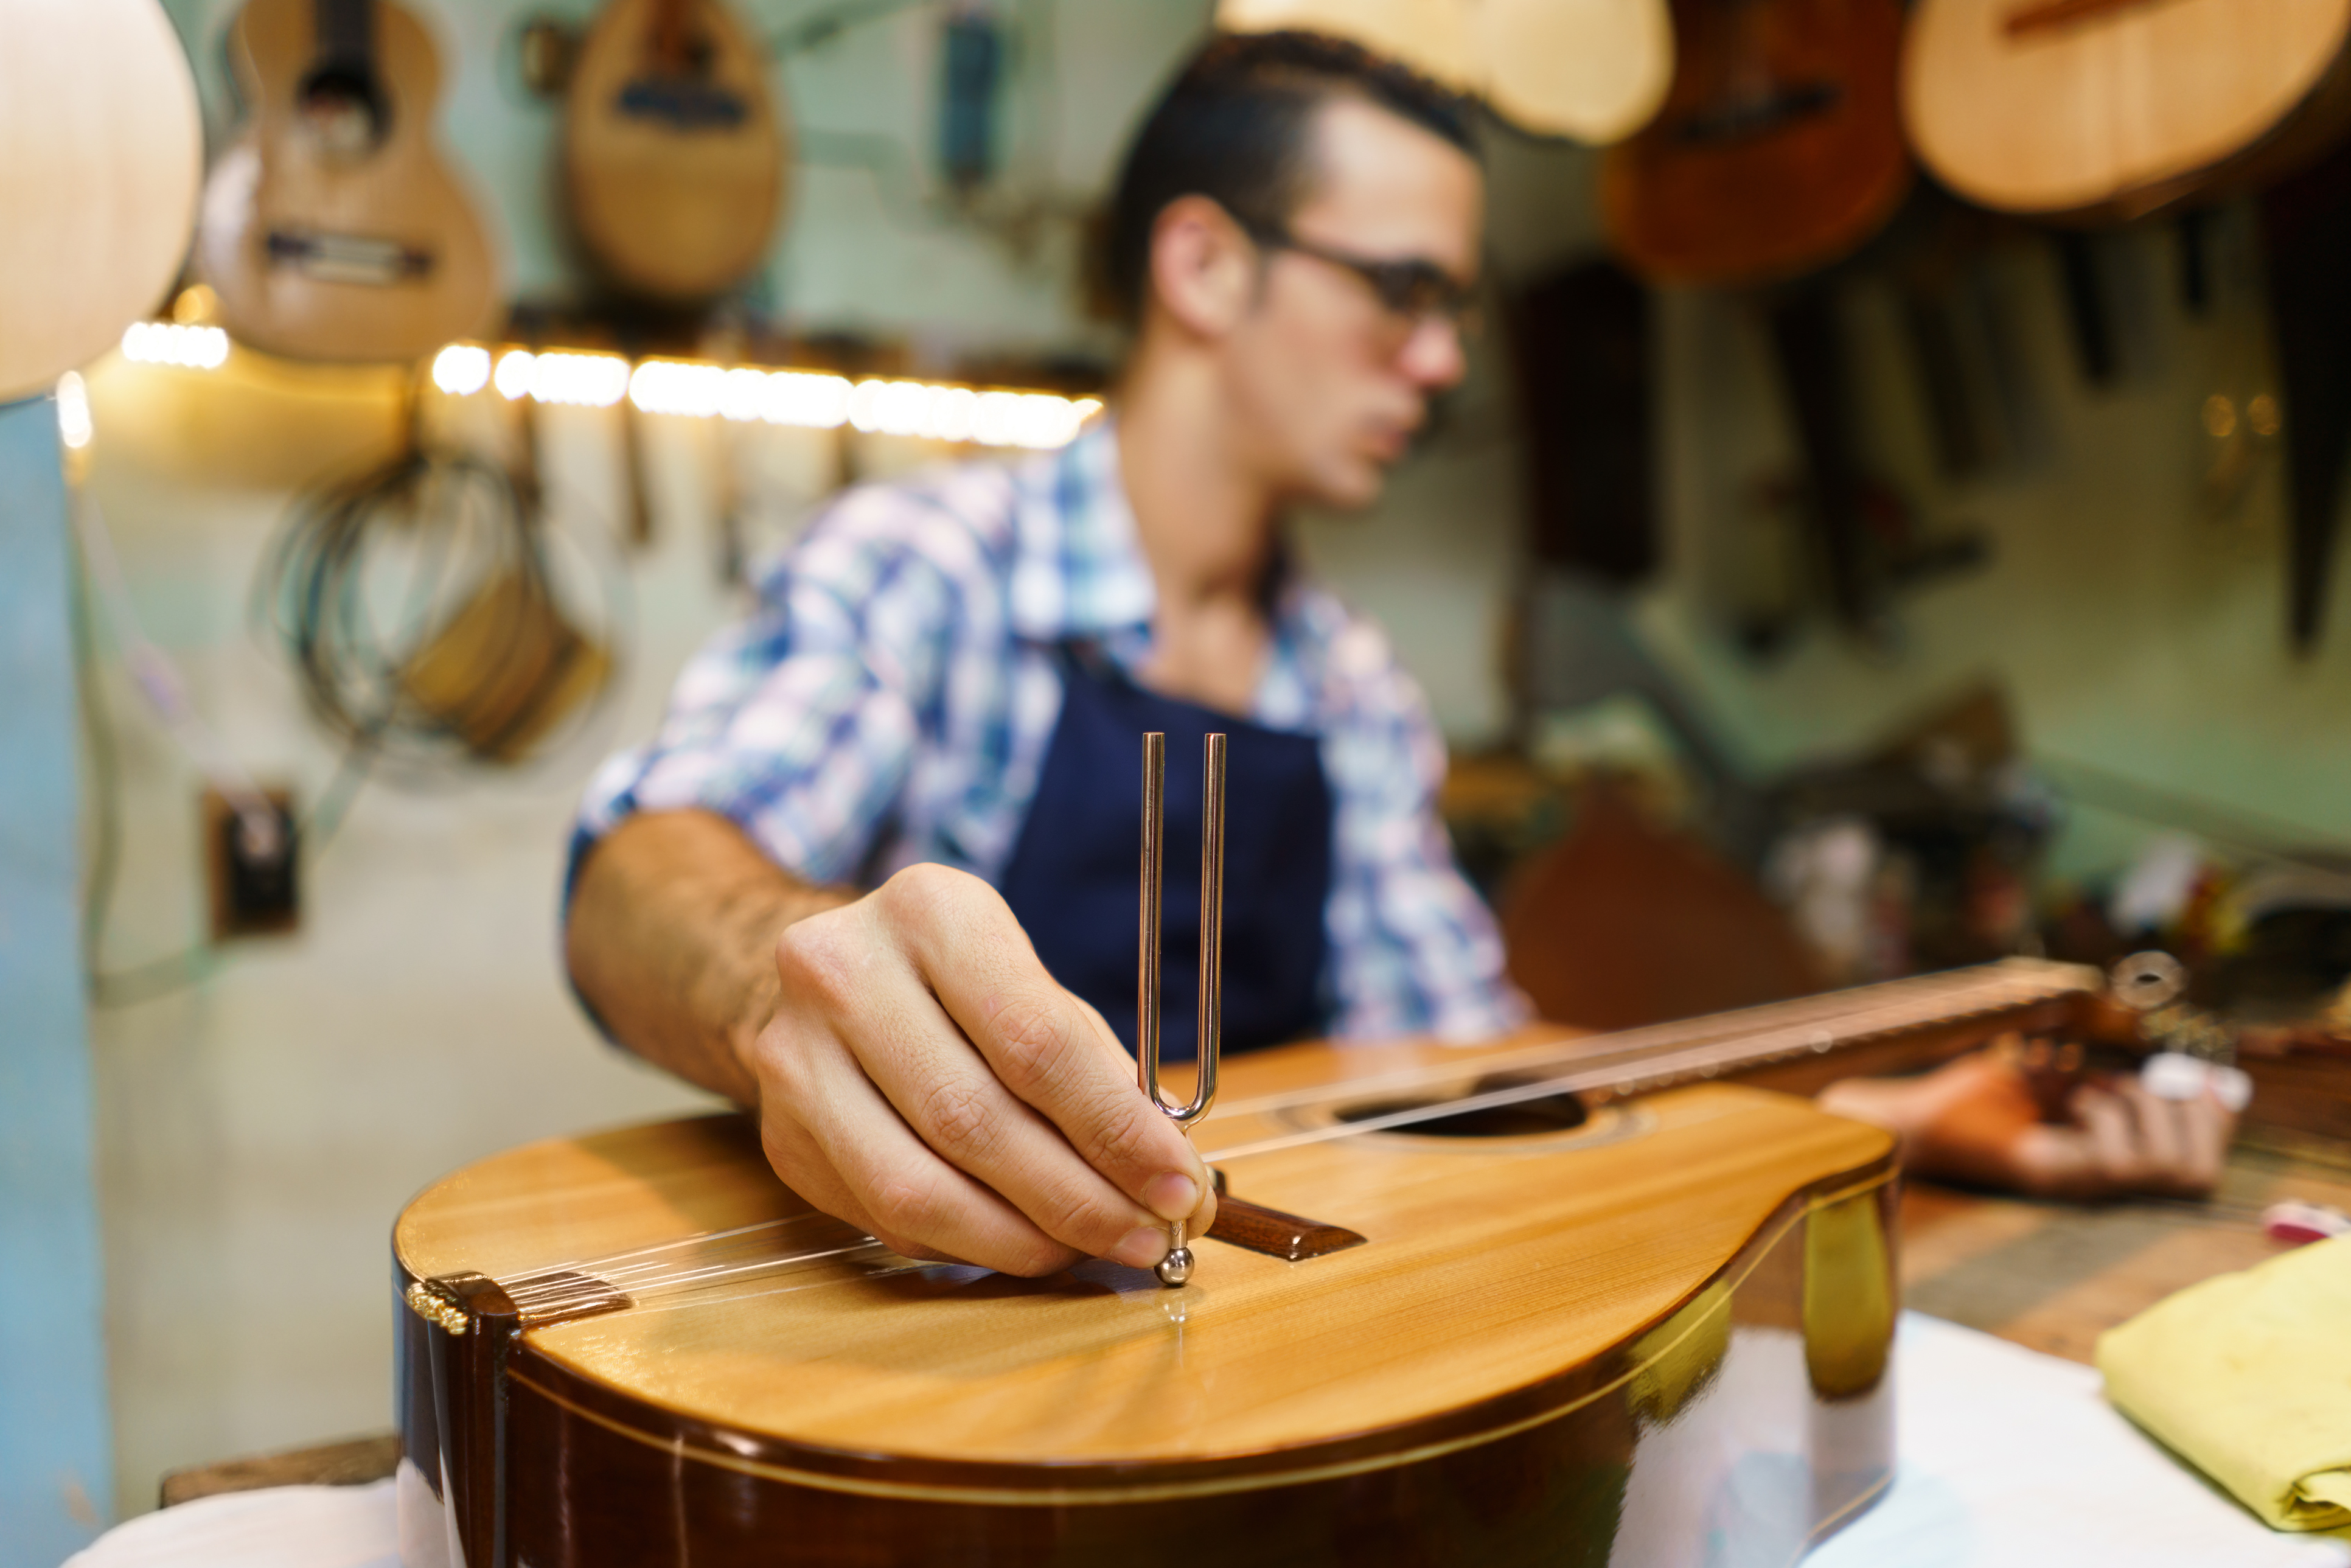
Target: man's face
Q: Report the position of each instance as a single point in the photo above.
(1329, 382)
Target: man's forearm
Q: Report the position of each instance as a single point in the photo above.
(672, 938)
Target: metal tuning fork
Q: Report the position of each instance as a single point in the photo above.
(1176, 1267)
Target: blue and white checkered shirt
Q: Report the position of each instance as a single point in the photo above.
(891, 699)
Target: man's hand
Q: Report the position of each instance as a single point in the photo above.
(914, 1069)
(923, 1077)
(1988, 1118)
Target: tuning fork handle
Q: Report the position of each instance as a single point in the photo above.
(1177, 1266)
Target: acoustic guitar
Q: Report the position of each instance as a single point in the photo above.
(1594, 70)
(2115, 108)
(1778, 149)
(101, 149)
(332, 229)
(673, 153)
(1519, 1303)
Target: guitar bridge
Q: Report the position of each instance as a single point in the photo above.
(348, 258)
(1240, 1223)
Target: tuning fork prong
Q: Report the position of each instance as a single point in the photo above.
(1176, 1267)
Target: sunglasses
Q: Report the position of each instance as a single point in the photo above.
(1411, 289)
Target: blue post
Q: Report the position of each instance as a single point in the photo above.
(56, 1460)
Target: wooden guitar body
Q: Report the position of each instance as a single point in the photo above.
(1779, 148)
(101, 149)
(1610, 1343)
(674, 155)
(355, 248)
(2112, 108)
(1594, 70)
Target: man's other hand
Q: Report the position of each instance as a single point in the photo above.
(1988, 1118)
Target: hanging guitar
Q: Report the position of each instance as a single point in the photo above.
(1778, 149)
(674, 156)
(103, 146)
(331, 228)
(2110, 109)
(1594, 70)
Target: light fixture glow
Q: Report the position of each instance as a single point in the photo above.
(165, 343)
(513, 376)
(462, 370)
(586, 381)
(779, 397)
(1040, 420)
(814, 399)
(73, 427)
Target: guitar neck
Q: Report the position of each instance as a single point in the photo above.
(346, 31)
(1735, 1042)
(2031, 992)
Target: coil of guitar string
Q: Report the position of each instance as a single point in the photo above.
(425, 621)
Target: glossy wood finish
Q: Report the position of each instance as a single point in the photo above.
(101, 150)
(2060, 107)
(1515, 1358)
(1779, 148)
(279, 180)
(674, 157)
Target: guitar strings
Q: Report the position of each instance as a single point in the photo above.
(1742, 1024)
(1704, 1059)
(1624, 1062)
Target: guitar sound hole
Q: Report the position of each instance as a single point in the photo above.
(344, 111)
(1528, 1118)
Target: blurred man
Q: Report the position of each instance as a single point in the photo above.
(942, 694)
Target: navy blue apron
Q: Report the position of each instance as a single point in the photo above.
(1074, 876)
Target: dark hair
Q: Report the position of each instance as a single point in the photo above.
(1234, 126)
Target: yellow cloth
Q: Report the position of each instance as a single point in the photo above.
(2249, 1376)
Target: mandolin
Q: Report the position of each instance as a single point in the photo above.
(331, 228)
(674, 155)
(1553, 1298)
(2115, 108)
(1778, 149)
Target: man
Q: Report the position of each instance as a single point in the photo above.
(942, 694)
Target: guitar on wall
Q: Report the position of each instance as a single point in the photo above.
(1778, 150)
(1593, 71)
(675, 155)
(2111, 109)
(103, 145)
(331, 228)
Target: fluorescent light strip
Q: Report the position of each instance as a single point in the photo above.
(811, 400)
(820, 401)
(73, 410)
(168, 343)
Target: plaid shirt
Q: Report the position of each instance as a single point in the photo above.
(892, 699)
